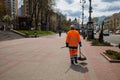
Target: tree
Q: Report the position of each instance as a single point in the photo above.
(66, 25)
(40, 12)
(7, 19)
(63, 23)
(119, 24)
(101, 34)
(2, 9)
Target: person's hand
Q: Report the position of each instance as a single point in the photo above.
(80, 44)
(66, 44)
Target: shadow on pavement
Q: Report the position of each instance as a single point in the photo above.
(81, 67)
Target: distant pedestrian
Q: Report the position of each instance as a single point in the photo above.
(84, 35)
(59, 33)
(72, 41)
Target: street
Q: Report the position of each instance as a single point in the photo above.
(112, 38)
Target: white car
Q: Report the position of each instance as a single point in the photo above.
(117, 32)
(95, 31)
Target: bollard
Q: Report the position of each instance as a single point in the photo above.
(35, 34)
(27, 34)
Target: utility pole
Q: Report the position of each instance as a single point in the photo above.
(90, 10)
(90, 23)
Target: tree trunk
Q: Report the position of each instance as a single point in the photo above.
(101, 40)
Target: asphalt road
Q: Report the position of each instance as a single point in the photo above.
(115, 39)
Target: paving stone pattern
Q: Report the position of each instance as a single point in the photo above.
(43, 59)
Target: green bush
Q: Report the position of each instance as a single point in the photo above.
(107, 44)
(110, 52)
(96, 42)
(113, 53)
(117, 55)
(32, 32)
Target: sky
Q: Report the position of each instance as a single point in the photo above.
(73, 8)
(20, 2)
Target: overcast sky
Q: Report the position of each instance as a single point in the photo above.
(73, 8)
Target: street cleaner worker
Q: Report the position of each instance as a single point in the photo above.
(72, 41)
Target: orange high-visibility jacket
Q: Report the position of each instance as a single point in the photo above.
(73, 38)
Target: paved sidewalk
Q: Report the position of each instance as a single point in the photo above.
(43, 59)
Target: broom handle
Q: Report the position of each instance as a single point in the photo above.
(79, 51)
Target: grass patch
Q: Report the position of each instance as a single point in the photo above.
(32, 32)
(96, 42)
(112, 54)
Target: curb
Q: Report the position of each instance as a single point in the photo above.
(18, 33)
(110, 60)
(27, 36)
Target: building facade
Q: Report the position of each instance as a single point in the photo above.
(95, 23)
(112, 22)
(25, 8)
(108, 23)
(12, 7)
(2, 9)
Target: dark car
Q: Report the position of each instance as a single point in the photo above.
(106, 33)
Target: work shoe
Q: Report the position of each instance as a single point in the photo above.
(72, 62)
(76, 60)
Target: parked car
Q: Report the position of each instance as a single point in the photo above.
(117, 32)
(95, 31)
(106, 33)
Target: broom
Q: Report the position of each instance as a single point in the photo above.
(81, 57)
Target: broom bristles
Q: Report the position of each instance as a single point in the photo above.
(82, 58)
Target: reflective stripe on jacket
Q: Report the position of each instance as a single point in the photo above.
(73, 38)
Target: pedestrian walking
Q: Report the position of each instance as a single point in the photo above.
(72, 42)
(59, 33)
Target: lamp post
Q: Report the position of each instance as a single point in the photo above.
(82, 25)
(83, 2)
(90, 23)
